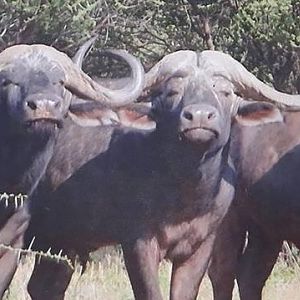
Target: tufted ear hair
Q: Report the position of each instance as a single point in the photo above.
(137, 115)
(90, 114)
(253, 113)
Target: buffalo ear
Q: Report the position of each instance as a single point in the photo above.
(91, 114)
(253, 113)
(136, 116)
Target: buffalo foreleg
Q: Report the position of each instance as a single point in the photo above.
(227, 251)
(256, 264)
(142, 260)
(11, 235)
(49, 280)
(187, 274)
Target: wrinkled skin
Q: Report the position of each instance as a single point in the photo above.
(266, 205)
(33, 106)
(161, 194)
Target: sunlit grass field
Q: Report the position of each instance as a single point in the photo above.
(107, 279)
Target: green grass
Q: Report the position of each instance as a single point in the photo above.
(108, 280)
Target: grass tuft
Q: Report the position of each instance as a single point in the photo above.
(106, 278)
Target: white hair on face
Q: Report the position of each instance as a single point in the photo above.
(37, 59)
(202, 79)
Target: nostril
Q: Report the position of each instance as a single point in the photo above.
(187, 115)
(32, 105)
(211, 115)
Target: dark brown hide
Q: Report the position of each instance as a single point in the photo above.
(33, 106)
(267, 206)
(161, 194)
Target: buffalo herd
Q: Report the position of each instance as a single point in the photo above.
(184, 162)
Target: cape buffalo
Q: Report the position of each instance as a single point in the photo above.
(267, 206)
(160, 193)
(36, 86)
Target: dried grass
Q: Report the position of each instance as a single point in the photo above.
(107, 279)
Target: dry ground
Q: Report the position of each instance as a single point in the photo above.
(108, 280)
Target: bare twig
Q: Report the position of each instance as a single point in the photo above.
(40, 254)
(201, 24)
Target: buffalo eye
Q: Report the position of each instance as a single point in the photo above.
(5, 82)
(226, 94)
(172, 93)
(59, 83)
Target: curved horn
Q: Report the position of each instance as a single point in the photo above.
(82, 52)
(92, 90)
(221, 64)
(76, 81)
(133, 89)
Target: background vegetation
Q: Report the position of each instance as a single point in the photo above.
(263, 34)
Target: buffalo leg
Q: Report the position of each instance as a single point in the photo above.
(142, 260)
(227, 251)
(49, 280)
(187, 274)
(11, 234)
(256, 265)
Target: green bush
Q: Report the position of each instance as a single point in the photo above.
(263, 34)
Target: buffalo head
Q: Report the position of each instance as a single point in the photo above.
(37, 82)
(201, 94)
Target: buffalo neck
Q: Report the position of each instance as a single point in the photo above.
(23, 159)
(201, 169)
